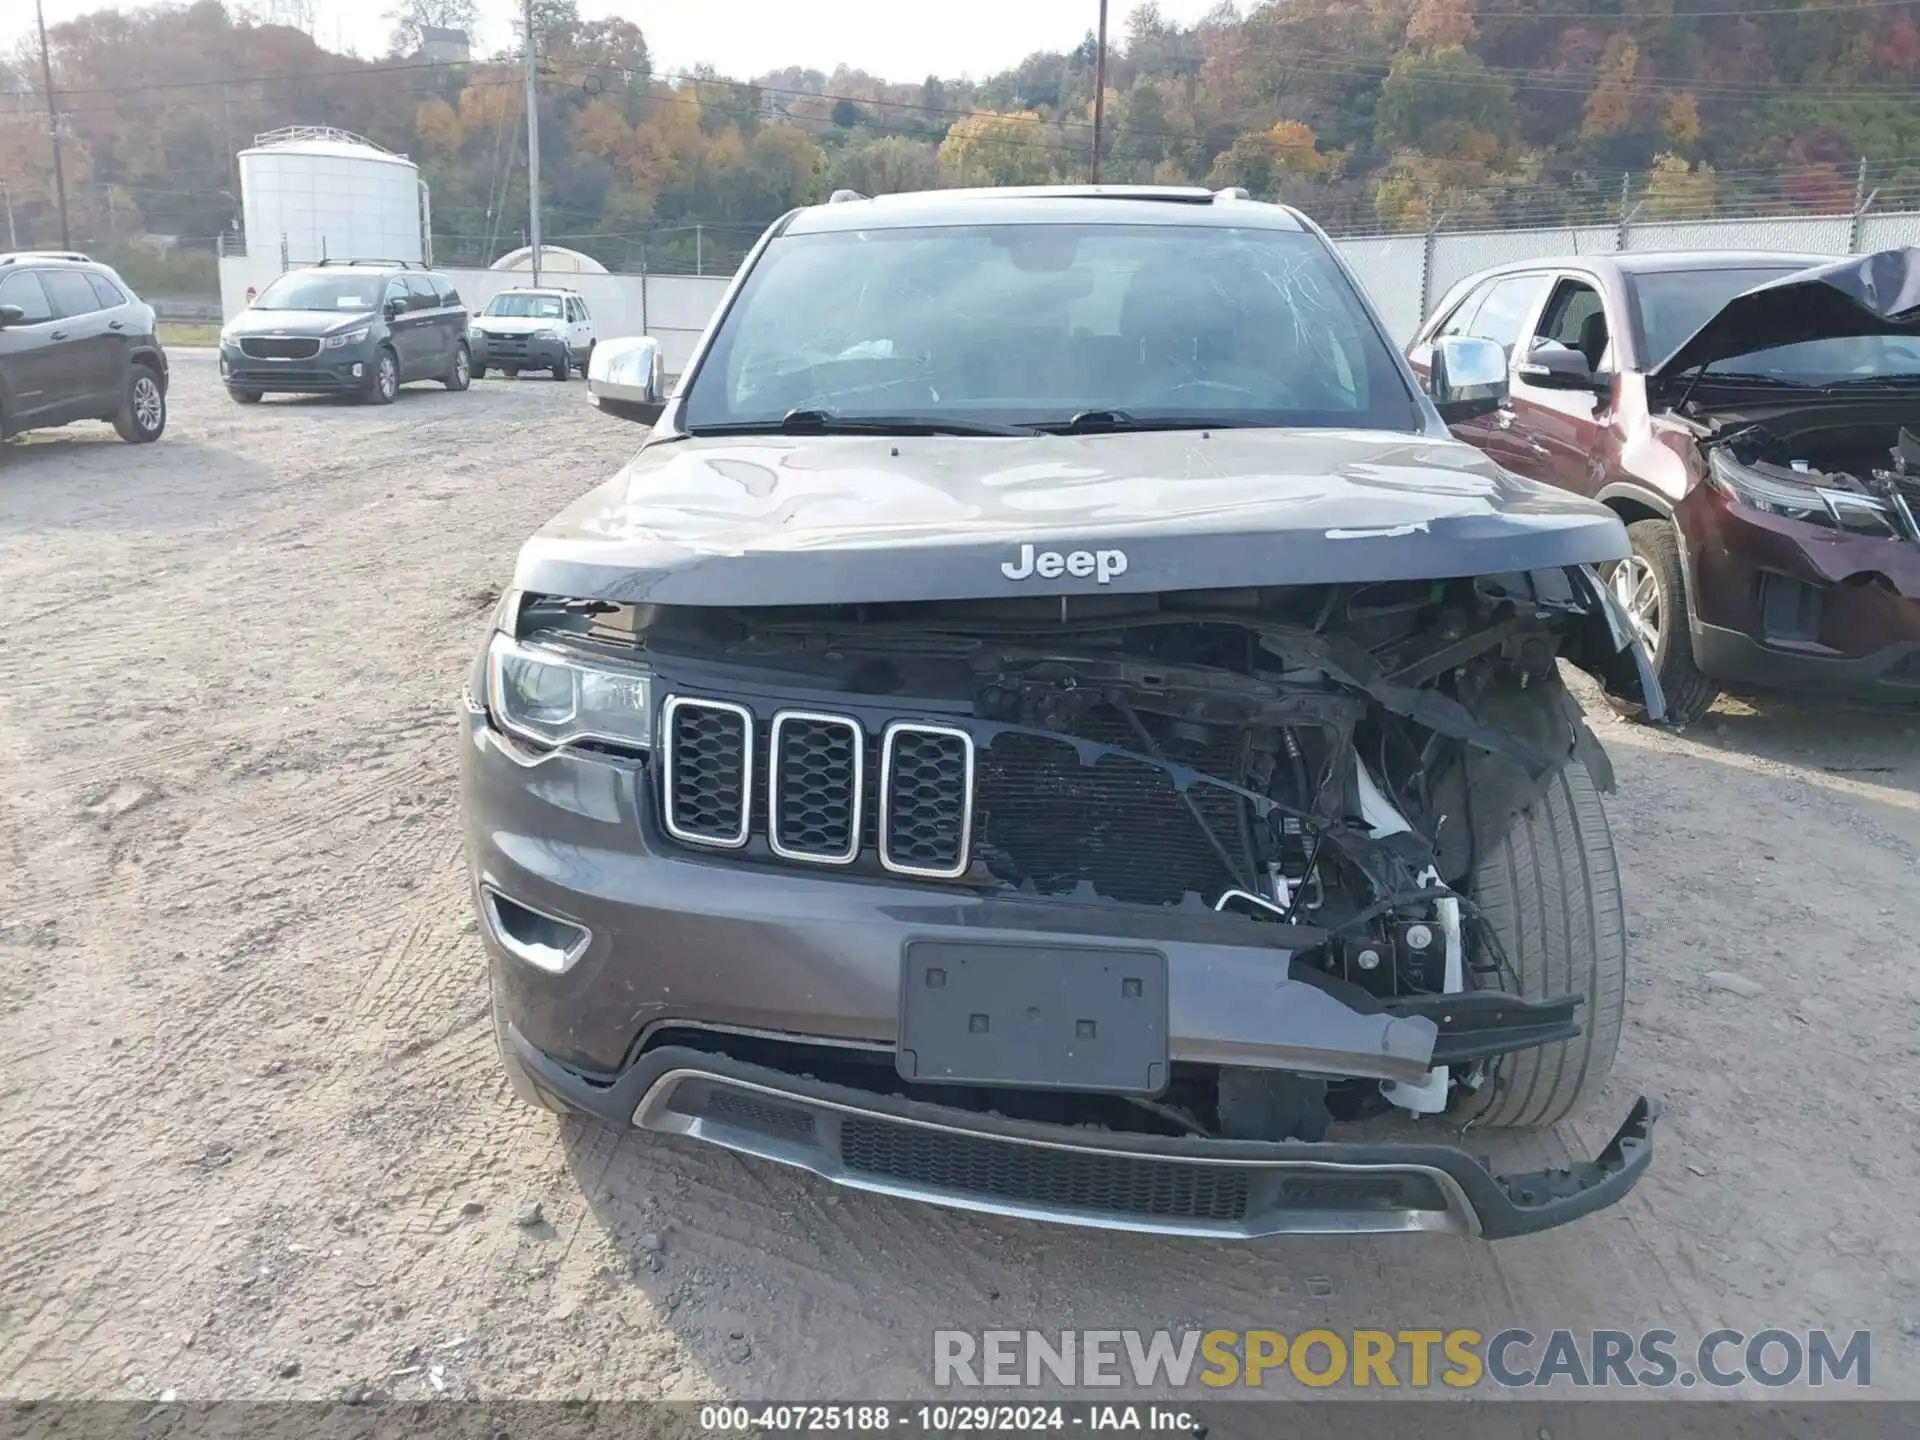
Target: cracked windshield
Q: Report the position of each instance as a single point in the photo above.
(1038, 323)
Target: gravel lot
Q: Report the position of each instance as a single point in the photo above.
(252, 1139)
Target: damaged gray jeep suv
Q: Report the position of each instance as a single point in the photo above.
(1050, 723)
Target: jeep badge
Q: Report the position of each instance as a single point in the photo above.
(1103, 565)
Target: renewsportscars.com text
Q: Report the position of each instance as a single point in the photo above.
(1400, 1359)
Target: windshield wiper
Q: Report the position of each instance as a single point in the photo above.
(1106, 422)
(826, 422)
(1875, 382)
(1703, 376)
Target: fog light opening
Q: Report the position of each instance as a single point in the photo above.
(544, 941)
(357, 368)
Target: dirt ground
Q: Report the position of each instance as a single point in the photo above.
(252, 1137)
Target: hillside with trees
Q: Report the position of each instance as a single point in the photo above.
(1369, 114)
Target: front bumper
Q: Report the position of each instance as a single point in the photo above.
(328, 372)
(674, 937)
(520, 352)
(1221, 1189)
(1778, 602)
(671, 943)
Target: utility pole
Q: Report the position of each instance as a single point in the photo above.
(533, 149)
(53, 125)
(13, 240)
(1099, 88)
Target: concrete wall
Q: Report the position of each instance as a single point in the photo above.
(1405, 274)
(1408, 274)
(674, 309)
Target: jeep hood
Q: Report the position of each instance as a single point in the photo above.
(1868, 295)
(809, 520)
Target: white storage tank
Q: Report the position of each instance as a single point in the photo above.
(331, 195)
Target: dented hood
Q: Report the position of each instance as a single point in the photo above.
(805, 520)
(1868, 295)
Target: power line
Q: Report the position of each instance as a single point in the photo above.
(1845, 6)
(1327, 63)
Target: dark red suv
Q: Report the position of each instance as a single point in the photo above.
(1755, 418)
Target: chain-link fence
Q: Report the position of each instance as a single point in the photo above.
(695, 248)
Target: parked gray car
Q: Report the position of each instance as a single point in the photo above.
(1050, 723)
(352, 328)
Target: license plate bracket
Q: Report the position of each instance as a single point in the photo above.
(1035, 1016)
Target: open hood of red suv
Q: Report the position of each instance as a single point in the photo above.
(1867, 295)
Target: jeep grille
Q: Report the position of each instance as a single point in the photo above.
(934, 800)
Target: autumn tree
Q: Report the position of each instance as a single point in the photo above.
(1678, 190)
(1445, 104)
(1264, 161)
(1395, 111)
(887, 165)
(1610, 106)
(989, 148)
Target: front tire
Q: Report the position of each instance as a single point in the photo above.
(244, 397)
(479, 371)
(586, 360)
(143, 408)
(461, 375)
(1550, 892)
(1652, 588)
(383, 380)
(563, 367)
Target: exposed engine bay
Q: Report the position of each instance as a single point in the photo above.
(1314, 768)
(1858, 472)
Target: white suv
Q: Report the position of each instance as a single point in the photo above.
(524, 329)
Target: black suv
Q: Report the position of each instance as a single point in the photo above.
(77, 344)
(361, 328)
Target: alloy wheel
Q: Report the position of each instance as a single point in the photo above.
(1638, 591)
(146, 404)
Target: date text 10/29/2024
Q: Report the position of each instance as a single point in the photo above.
(879, 1418)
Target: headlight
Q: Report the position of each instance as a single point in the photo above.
(1806, 501)
(553, 698)
(547, 334)
(476, 332)
(346, 338)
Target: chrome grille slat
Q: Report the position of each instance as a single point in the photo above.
(926, 786)
(706, 780)
(926, 800)
(816, 796)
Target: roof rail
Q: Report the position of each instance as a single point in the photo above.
(366, 260)
(841, 197)
(18, 255)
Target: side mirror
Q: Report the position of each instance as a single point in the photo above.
(1467, 378)
(393, 307)
(1553, 366)
(11, 315)
(627, 378)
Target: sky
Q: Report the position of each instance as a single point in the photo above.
(901, 40)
